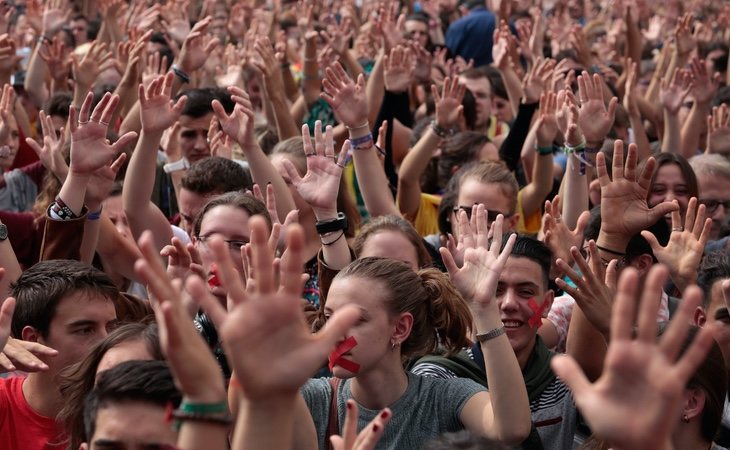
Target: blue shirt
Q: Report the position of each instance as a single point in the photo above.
(471, 36)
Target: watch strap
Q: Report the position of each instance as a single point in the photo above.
(330, 226)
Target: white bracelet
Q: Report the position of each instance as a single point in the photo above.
(180, 164)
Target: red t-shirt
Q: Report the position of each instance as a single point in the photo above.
(21, 428)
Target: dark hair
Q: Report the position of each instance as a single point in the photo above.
(463, 440)
(58, 104)
(148, 382)
(637, 245)
(398, 224)
(665, 158)
(418, 16)
(41, 288)
(294, 148)
(216, 175)
(722, 97)
(534, 250)
(487, 172)
(78, 380)
(246, 202)
(440, 314)
(715, 266)
(457, 151)
(199, 101)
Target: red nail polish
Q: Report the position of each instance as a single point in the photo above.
(384, 414)
(375, 427)
(349, 405)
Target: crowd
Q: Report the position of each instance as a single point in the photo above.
(355, 225)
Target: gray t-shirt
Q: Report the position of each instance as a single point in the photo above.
(19, 192)
(428, 408)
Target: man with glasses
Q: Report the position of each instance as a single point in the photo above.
(713, 177)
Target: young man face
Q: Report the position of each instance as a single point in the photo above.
(481, 88)
(522, 295)
(131, 425)
(80, 321)
(193, 137)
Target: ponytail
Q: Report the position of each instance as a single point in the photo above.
(448, 313)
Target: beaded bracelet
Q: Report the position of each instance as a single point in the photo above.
(362, 142)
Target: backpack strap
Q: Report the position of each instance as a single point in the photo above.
(333, 423)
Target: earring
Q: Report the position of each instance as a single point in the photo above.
(393, 345)
(685, 418)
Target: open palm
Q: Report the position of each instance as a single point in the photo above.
(157, 112)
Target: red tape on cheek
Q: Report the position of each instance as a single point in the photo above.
(336, 359)
(213, 280)
(536, 319)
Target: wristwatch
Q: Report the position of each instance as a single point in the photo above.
(180, 164)
(3, 232)
(330, 226)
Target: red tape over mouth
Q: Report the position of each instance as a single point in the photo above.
(336, 359)
(536, 319)
(213, 280)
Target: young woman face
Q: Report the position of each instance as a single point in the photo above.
(669, 184)
(391, 244)
(374, 329)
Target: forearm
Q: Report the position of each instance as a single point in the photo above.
(9, 262)
(541, 185)
(132, 121)
(411, 170)
(351, 65)
(692, 128)
(575, 193)
(513, 85)
(375, 89)
(285, 125)
(586, 344)
(672, 138)
(509, 402)
(264, 173)
(35, 78)
(290, 85)
(116, 251)
(310, 72)
(73, 191)
(509, 151)
(633, 40)
(127, 92)
(90, 238)
(372, 180)
(640, 138)
(266, 425)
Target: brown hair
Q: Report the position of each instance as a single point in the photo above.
(78, 380)
(486, 172)
(665, 158)
(440, 314)
(246, 202)
(294, 148)
(397, 224)
(458, 150)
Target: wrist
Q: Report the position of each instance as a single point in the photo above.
(209, 396)
(93, 205)
(614, 244)
(325, 214)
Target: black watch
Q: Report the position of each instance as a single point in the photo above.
(3, 232)
(330, 226)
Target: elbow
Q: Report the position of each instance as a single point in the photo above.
(516, 433)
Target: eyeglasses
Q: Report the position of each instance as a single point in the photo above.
(233, 244)
(712, 204)
(491, 214)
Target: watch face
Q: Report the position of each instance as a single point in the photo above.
(3, 232)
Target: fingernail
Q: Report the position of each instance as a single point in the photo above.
(384, 414)
(349, 404)
(375, 427)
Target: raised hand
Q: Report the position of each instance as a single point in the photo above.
(157, 111)
(24, 356)
(87, 68)
(321, 183)
(448, 104)
(53, 55)
(270, 324)
(399, 69)
(56, 14)
(683, 37)
(194, 52)
(536, 81)
(239, 124)
(683, 252)
(90, 150)
(635, 402)
(347, 98)
(704, 84)
(368, 438)
(624, 210)
(718, 130)
(547, 122)
(196, 371)
(267, 64)
(338, 36)
(629, 100)
(7, 102)
(595, 285)
(557, 236)
(477, 279)
(595, 120)
(672, 93)
(51, 153)
(8, 56)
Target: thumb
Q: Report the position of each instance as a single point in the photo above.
(568, 370)
(661, 210)
(652, 240)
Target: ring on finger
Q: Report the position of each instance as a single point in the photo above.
(84, 122)
(310, 154)
(677, 228)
